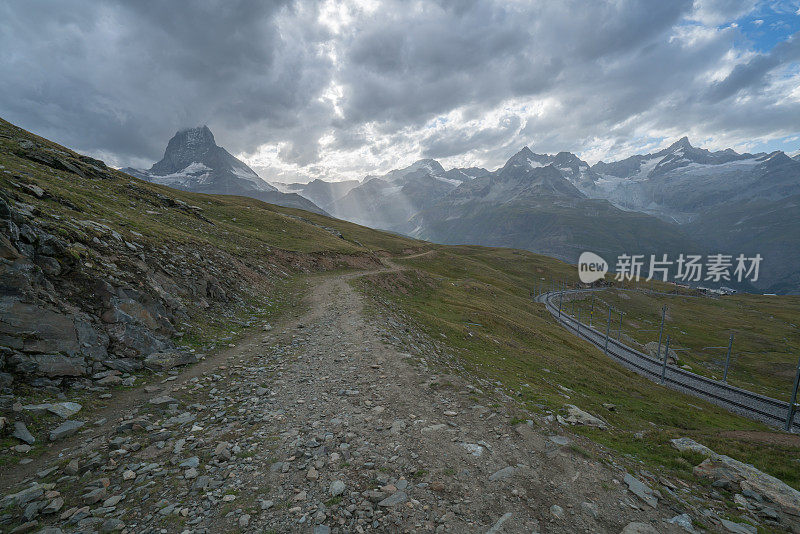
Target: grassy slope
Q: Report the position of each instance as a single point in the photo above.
(479, 299)
(766, 344)
(236, 224)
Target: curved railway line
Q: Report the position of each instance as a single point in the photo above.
(741, 401)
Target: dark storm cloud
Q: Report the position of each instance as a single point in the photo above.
(347, 86)
(121, 77)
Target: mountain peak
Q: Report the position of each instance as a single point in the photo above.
(683, 142)
(194, 137)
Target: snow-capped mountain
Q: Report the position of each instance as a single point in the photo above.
(681, 181)
(388, 201)
(574, 169)
(194, 162)
(530, 203)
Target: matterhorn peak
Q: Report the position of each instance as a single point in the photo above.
(683, 142)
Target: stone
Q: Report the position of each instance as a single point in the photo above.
(124, 365)
(55, 365)
(7, 249)
(557, 512)
(162, 361)
(163, 401)
(576, 416)
(43, 331)
(684, 521)
(639, 528)
(322, 529)
(21, 433)
(473, 448)
(641, 490)
(33, 189)
(73, 467)
(22, 497)
(190, 473)
(128, 475)
(111, 525)
(94, 496)
(394, 499)
(738, 528)
(497, 527)
(194, 461)
(502, 473)
(53, 506)
(756, 481)
(110, 380)
(65, 410)
(65, 429)
(112, 501)
(336, 488)
(244, 520)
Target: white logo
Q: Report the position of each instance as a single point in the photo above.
(591, 267)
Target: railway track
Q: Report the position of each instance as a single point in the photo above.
(741, 401)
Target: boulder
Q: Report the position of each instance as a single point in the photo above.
(124, 365)
(64, 410)
(161, 361)
(37, 329)
(134, 340)
(744, 474)
(52, 365)
(641, 490)
(576, 416)
(21, 433)
(65, 429)
(639, 528)
(651, 349)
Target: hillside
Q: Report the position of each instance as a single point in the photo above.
(182, 361)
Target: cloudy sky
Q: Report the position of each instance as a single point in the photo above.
(302, 89)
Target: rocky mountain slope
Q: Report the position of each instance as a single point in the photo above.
(194, 162)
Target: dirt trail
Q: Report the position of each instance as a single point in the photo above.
(324, 427)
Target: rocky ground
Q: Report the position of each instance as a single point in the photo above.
(320, 425)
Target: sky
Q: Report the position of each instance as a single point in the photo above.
(337, 90)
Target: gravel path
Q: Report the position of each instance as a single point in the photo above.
(318, 425)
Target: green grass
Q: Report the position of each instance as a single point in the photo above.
(135, 208)
(766, 335)
(477, 301)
